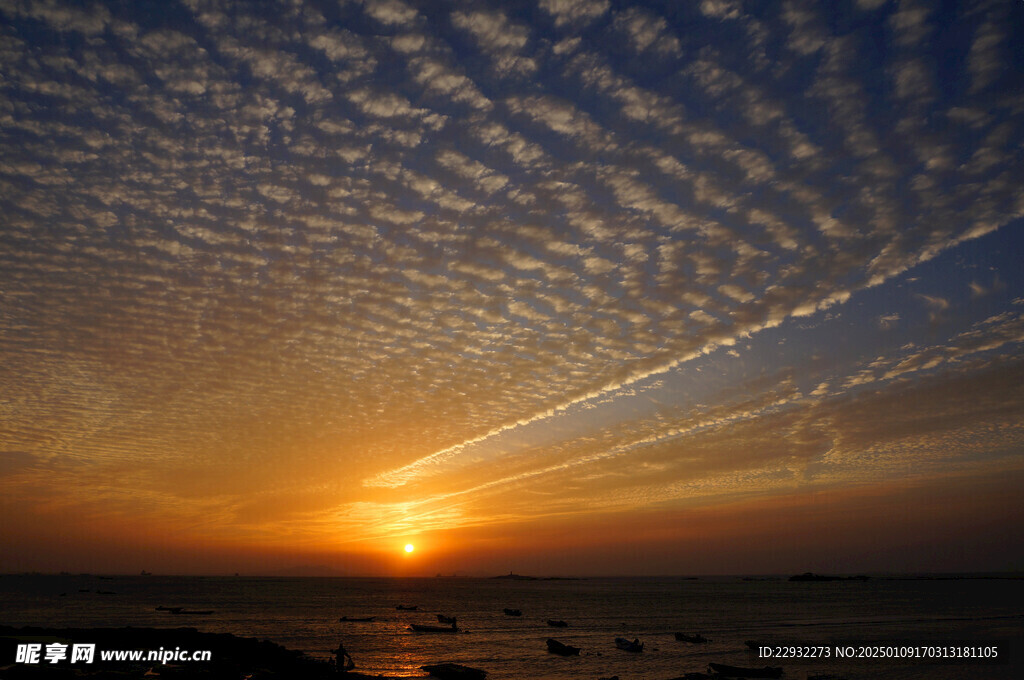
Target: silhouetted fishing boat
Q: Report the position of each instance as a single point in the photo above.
(407, 607)
(557, 624)
(353, 618)
(629, 646)
(420, 628)
(696, 638)
(556, 647)
(441, 618)
(739, 672)
(173, 610)
(512, 612)
(454, 671)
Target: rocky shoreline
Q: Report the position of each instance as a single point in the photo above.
(230, 656)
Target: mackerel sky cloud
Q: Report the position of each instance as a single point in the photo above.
(278, 273)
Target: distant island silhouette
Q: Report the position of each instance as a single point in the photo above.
(515, 577)
(519, 577)
(809, 576)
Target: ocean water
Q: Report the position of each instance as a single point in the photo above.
(303, 613)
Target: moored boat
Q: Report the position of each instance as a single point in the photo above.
(557, 624)
(556, 647)
(728, 671)
(441, 618)
(407, 607)
(696, 638)
(512, 612)
(454, 671)
(354, 618)
(630, 646)
(420, 628)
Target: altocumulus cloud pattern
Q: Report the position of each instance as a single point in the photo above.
(268, 237)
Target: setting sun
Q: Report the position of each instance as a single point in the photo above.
(409, 547)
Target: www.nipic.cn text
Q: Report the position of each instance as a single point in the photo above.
(36, 653)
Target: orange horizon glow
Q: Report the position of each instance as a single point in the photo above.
(858, 529)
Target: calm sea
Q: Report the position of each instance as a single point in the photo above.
(303, 613)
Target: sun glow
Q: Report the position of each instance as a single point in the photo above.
(409, 547)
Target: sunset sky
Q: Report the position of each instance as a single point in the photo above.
(556, 286)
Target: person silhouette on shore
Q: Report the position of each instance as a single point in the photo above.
(343, 662)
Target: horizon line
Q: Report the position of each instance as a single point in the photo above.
(1007, 573)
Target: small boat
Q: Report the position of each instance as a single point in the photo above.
(173, 610)
(420, 628)
(557, 624)
(556, 647)
(197, 612)
(512, 612)
(738, 672)
(696, 638)
(454, 671)
(353, 618)
(105, 592)
(441, 618)
(629, 646)
(407, 607)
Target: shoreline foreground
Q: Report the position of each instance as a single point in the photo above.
(230, 656)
